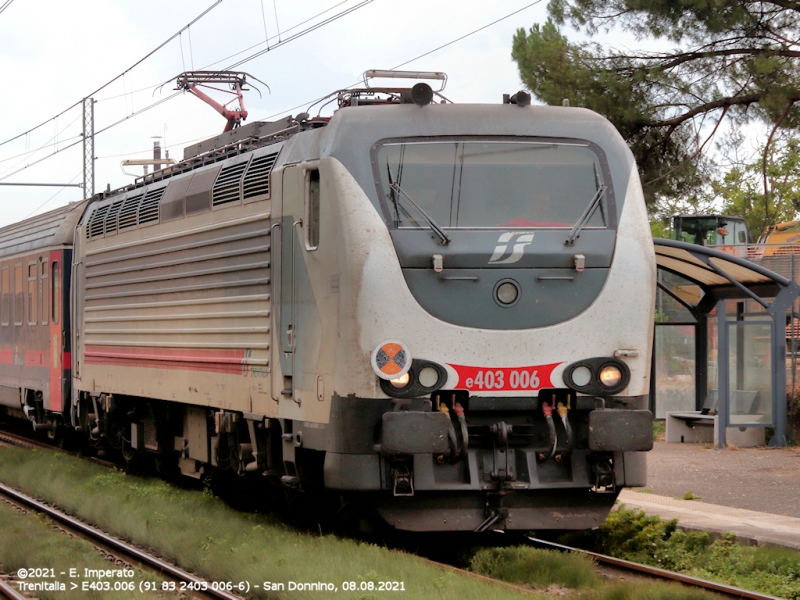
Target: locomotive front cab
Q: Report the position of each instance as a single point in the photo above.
(504, 304)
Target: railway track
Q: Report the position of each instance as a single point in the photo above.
(727, 591)
(122, 552)
(178, 575)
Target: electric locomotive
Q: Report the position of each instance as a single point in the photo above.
(442, 311)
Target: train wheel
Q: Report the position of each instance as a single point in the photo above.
(167, 466)
(133, 461)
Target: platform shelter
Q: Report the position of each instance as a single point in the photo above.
(745, 373)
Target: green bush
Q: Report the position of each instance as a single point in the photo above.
(538, 568)
(635, 536)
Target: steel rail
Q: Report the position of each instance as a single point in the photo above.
(721, 588)
(136, 553)
(9, 592)
(26, 442)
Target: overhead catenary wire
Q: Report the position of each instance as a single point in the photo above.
(177, 93)
(306, 31)
(47, 143)
(46, 202)
(5, 5)
(122, 74)
(152, 86)
(458, 39)
(247, 59)
(269, 48)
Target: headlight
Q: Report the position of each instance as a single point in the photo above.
(401, 381)
(423, 378)
(609, 376)
(428, 377)
(601, 375)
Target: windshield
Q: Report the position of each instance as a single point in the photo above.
(485, 184)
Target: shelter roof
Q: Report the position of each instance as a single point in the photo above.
(722, 275)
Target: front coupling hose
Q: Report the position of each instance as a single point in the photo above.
(563, 412)
(548, 416)
(459, 410)
(451, 431)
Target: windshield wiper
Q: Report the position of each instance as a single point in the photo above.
(398, 192)
(575, 232)
(443, 237)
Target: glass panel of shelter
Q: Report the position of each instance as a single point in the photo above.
(674, 367)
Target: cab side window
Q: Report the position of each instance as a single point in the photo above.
(5, 297)
(312, 209)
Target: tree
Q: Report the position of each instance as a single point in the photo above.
(734, 60)
(741, 189)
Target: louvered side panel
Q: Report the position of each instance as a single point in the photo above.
(227, 187)
(96, 223)
(111, 222)
(128, 213)
(148, 209)
(198, 302)
(256, 180)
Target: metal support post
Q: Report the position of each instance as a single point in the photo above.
(701, 360)
(723, 375)
(782, 303)
(88, 147)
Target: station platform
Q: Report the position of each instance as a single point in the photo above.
(751, 527)
(751, 492)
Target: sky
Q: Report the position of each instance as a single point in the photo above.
(54, 53)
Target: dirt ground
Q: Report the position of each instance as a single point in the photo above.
(762, 479)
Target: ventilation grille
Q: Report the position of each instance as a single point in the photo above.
(256, 181)
(129, 212)
(148, 211)
(94, 227)
(226, 187)
(111, 216)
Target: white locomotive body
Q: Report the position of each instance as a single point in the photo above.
(442, 310)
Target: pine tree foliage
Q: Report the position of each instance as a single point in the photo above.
(734, 60)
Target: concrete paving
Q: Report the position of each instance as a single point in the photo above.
(751, 492)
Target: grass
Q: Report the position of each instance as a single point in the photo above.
(29, 541)
(203, 535)
(691, 496)
(538, 568)
(542, 568)
(659, 430)
(635, 536)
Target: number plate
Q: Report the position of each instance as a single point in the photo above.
(509, 379)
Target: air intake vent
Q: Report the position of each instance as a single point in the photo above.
(226, 187)
(256, 181)
(94, 227)
(148, 211)
(111, 216)
(129, 211)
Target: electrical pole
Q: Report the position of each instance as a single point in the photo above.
(88, 147)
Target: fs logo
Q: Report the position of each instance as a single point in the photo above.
(524, 239)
